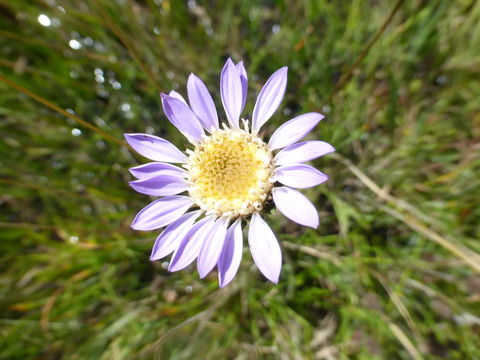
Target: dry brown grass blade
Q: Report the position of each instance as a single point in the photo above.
(335, 259)
(61, 111)
(13, 225)
(407, 214)
(47, 307)
(405, 341)
(218, 298)
(397, 301)
(131, 49)
(38, 187)
(56, 47)
(467, 255)
(348, 75)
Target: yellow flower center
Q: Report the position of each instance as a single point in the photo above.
(230, 173)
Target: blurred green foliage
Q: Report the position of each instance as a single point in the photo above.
(370, 283)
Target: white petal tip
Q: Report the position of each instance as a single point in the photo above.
(273, 278)
(138, 228)
(330, 148)
(202, 273)
(313, 225)
(223, 282)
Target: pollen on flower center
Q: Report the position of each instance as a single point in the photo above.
(230, 173)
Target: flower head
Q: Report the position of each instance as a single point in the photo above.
(229, 176)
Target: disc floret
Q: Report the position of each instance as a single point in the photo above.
(230, 173)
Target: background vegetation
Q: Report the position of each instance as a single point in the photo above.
(393, 270)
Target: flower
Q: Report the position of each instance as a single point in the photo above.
(229, 176)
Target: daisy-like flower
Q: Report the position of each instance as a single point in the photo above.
(228, 177)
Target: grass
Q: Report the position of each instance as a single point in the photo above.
(391, 273)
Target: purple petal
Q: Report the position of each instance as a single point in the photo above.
(302, 151)
(294, 130)
(161, 212)
(244, 80)
(191, 244)
(229, 260)
(269, 98)
(155, 148)
(295, 206)
(170, 238)
(299, 176)
(212, 248)
(160, 185)
(178, 96)
(182, 118)
(231, 92)
(202, 103)
(264, 248)
(153, 169)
